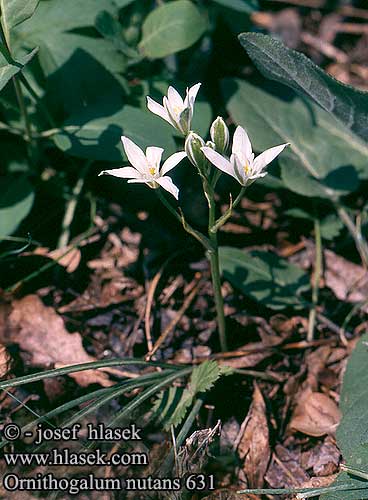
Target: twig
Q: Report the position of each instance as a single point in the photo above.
(174, 321)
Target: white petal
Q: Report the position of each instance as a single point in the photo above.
(153, 155)
(239, 169)
(219, 161)
(157, 109)
(174, 98)
(124, 173)
(241, 144)
(172, 161)
(192, 94)
(267, 156)
(135, 155)
(171, 113)
(141, 181)
(167, 183)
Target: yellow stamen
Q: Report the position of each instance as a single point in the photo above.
(247, 168)
(152, 170)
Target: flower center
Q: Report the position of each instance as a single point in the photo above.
(152, 170)
(177, 110)
(246, 168)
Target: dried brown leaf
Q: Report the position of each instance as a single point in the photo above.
(315, 415)
(347, 280)
(285, 470)
(324, 458)
(41, 332)
(254, 447)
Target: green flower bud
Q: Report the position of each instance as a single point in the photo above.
(193, 145)
(220, 134)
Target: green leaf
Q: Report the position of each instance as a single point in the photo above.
(90, 135)
(324, 159)
(294, 69)
(7, 71)
(170, 28)
(94, 64)
(331, 227)
(204, 376)
(14, 12)
(172, 404)
(53, 16)
(246, 6)
(265, 277)
(110, 28)
(352, 433)
(16, 201)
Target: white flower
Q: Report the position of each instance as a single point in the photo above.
(146, 167)
(242, 165)
(177, 112)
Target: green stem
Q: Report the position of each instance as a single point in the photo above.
(71, 207)
(316, 279)
(221, 220)
(187, 227)
(213, 256)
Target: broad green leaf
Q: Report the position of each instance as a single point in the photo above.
(170, 28)
(123, 3)
(59, 50)
(94, 65)
(14, 12)
(324, 159)
(16, 201)
(7, 71)
(91, 135)
(247, 6)
(53, 16)
(292, 68)
(265, 277)
(352, 433)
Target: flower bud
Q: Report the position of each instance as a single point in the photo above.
(193, 145)
(220, 134)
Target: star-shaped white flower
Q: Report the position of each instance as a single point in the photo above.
(177, 112)
(243, 166)
(146, 167)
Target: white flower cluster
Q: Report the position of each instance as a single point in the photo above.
(146, 167)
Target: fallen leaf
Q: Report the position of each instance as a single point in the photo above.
(324, 458)
(285, 470)
(41, 332)
(254, 448)
(5, 361)
(315, 415)
(347, 280)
